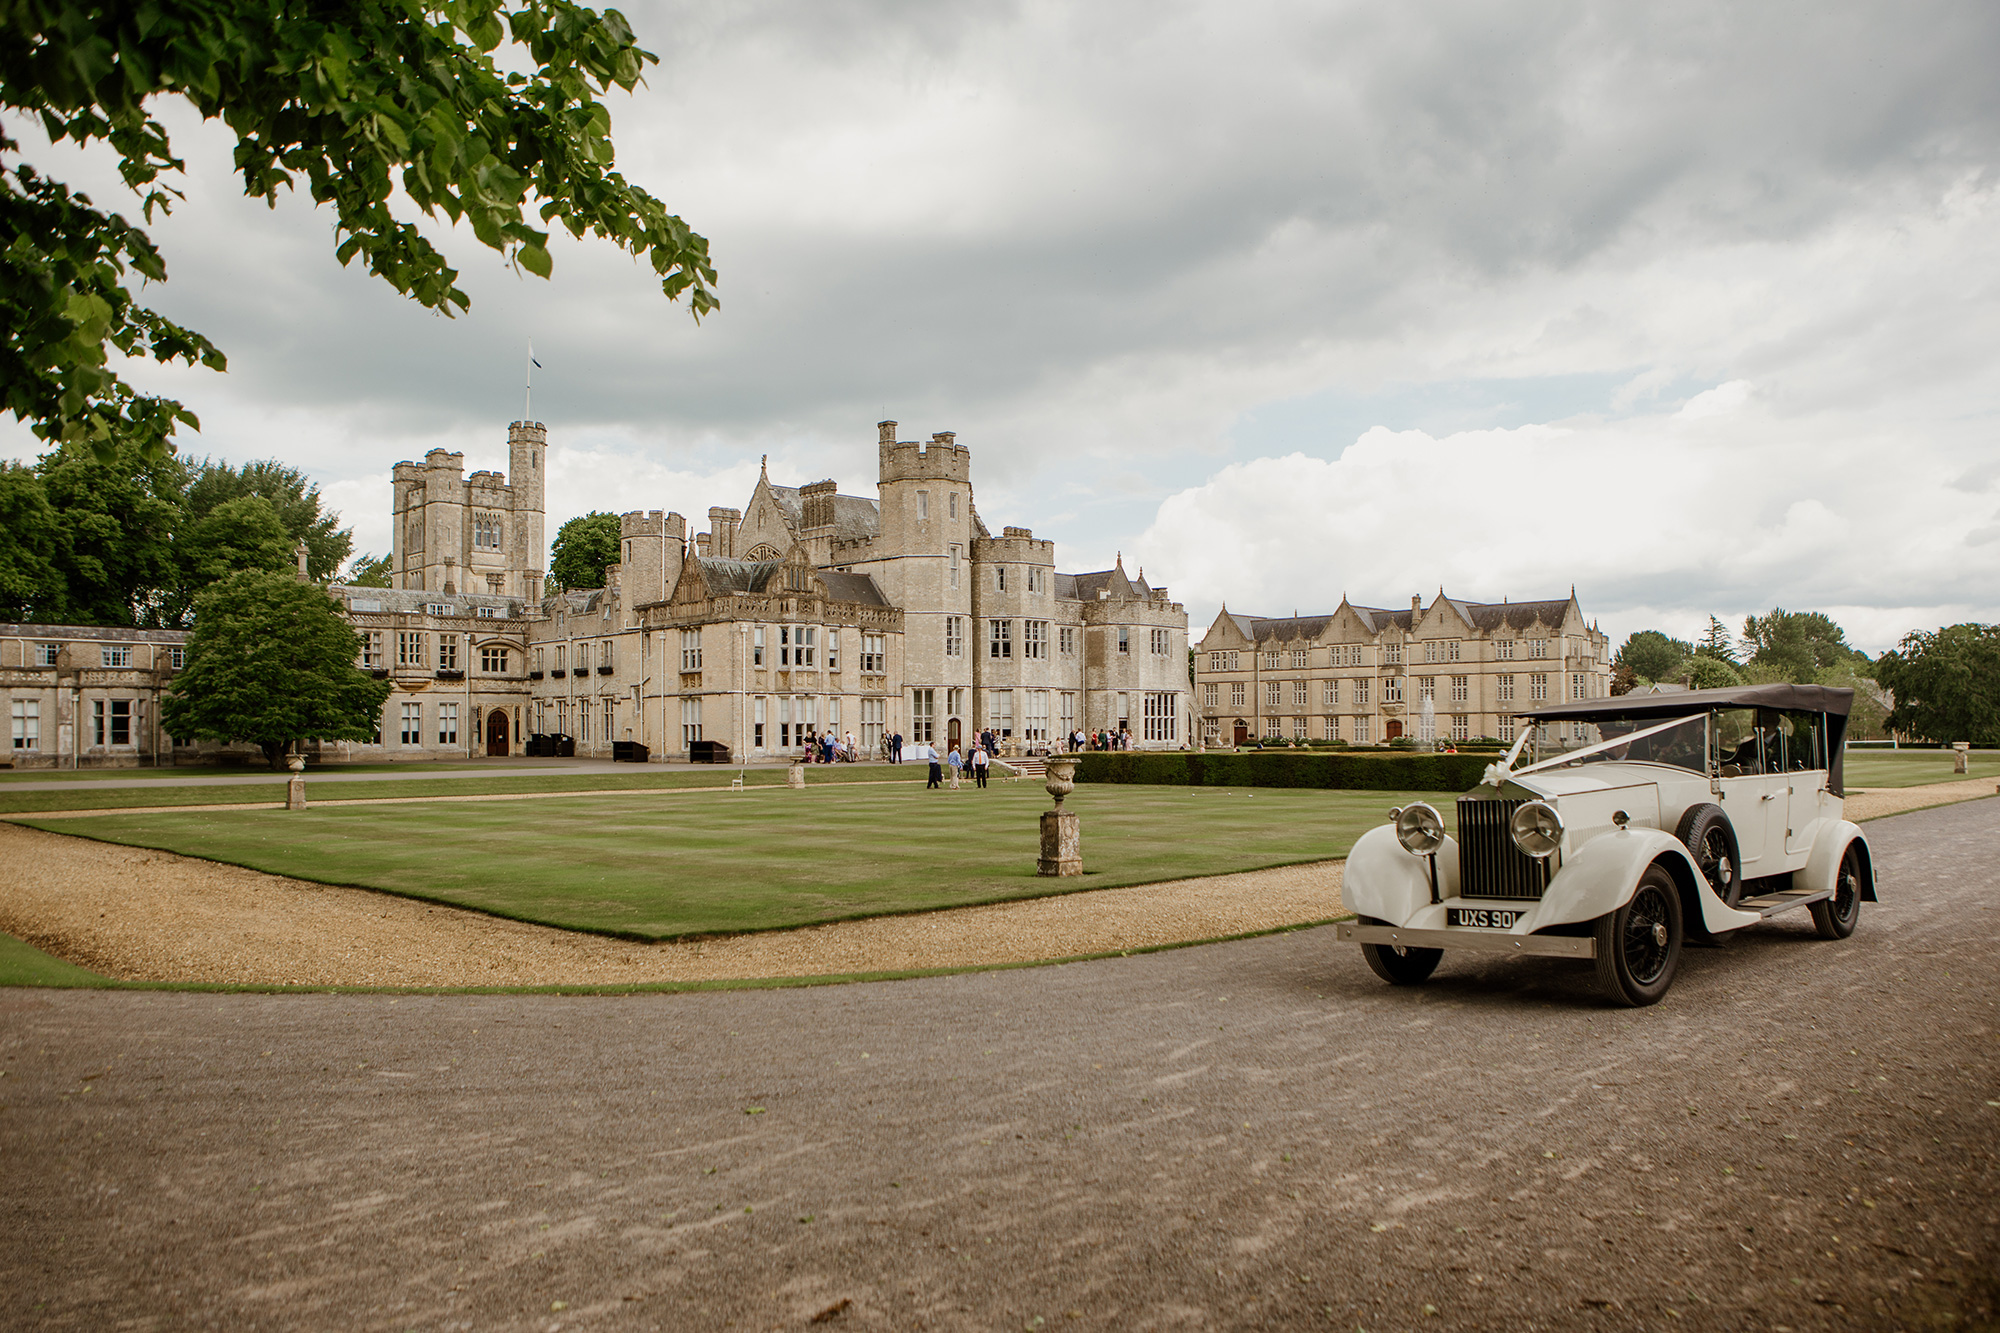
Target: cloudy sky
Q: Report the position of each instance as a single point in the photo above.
(1693, 306)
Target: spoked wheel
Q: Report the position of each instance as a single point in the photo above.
(1639, 945)
(1711, 839)
(1399, 966)
(1836, 917)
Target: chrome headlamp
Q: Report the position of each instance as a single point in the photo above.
(1537, 829)
(1420, 828)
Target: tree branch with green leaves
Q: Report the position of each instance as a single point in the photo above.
(365, 105)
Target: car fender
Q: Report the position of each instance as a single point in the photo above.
(1600, 876)
(1387, 883)
(1835, 836)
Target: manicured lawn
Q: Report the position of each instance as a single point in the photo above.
(224, 771)
(652, 867)
(1915, 768)
(96, 796)
(24, 965)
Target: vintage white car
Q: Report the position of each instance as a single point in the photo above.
(1686, 815)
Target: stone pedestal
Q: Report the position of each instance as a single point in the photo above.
(1062, 844)
(796, 775)
(1961, 757)
(295, 793)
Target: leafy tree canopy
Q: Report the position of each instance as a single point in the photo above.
(358, 103)
(293, 496)
(271, 661)
(135, 539)
(1651, 655)
(28, 577)
(1707, 673)
(238, 534)
(1717, 643)
(1797, 645)
(1946, 684)
(582, 548)
(113, 533)
(369, 571)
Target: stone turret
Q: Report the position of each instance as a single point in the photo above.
(722, 525)
(527, 543)
(651, 546)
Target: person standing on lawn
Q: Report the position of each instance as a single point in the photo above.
(980, 761)
(896, 748)
(957, 762)
(937, 770)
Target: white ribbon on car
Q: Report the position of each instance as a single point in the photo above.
(1497, 773)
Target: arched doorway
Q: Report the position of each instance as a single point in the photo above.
(952, 734)
(1242, 732)
(1393, 731)
(496, 733)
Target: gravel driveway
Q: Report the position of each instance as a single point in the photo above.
(1254, 1134)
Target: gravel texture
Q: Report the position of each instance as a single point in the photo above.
(1257, 1134)
(153, 916)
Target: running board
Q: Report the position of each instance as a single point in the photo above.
(1770, 904)
(1469, 937)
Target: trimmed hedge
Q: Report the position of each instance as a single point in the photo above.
(1333, 770)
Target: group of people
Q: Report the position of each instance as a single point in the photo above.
(827, 748)
(1102, 739)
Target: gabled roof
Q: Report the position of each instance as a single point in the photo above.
(854, 516)
(1377, 618)
(1085, 587)
(724, 576)
(852, 588)
(1513, 615)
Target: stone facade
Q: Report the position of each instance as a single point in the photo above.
(85, 697)
(1364, 674)
(805, 611)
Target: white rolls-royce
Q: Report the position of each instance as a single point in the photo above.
(1685, 815)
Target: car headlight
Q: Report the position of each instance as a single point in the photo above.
(1420, 828)
(1537, 829)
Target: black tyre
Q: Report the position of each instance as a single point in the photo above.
(1711, 839)
(1399, 966)
(1639, 945)
(1836, 917)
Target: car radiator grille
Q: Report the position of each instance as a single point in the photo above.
(1489, 864)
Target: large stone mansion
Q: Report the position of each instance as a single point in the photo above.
(1452, 670)
(805, 611)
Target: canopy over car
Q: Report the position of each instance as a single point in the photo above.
(1834, 701)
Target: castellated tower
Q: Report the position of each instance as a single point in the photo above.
(527, 545)
(651, 546)
(925, 554)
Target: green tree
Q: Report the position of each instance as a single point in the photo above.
(291, 494)
(582, 548)
(1946, 684)
(362, 103)
(272, 661)
(29, 583)
(1867, 718)
(1796, 645)
(244, 533)
(1717, 643)
(1651, 655)
(113, 533)
(368, 571)
(1703, 672)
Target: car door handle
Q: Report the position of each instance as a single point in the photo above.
(1770, 796)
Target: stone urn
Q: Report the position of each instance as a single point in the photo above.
(1062, 838)
(1061, 779)
(296, 762)
(295, 786)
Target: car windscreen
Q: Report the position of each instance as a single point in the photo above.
(1683, 746)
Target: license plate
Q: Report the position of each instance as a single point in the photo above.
(1498, 917)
